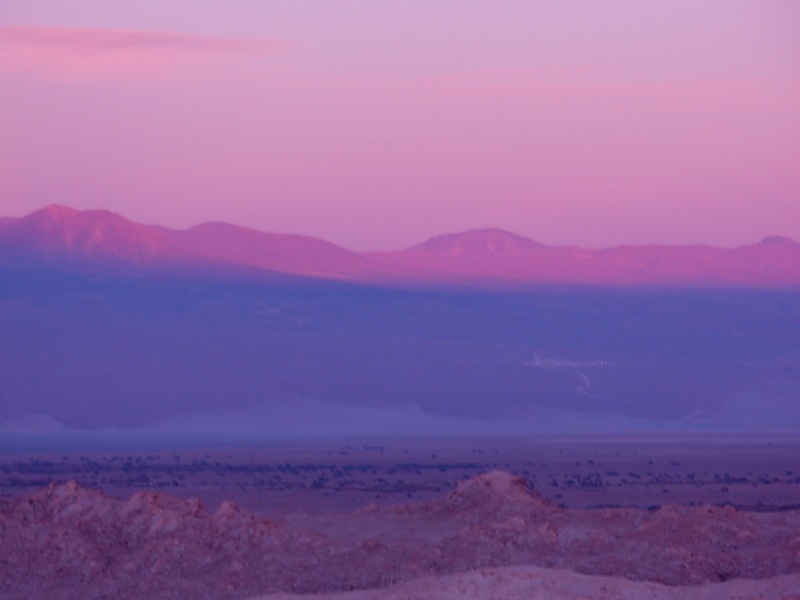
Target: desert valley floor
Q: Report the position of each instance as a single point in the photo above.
(749, 471)
(700, 516)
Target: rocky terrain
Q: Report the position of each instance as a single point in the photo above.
(65, 541)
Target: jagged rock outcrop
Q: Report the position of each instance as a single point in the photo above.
(65, 542)
(497, 487)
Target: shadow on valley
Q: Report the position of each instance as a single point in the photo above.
(96, 352)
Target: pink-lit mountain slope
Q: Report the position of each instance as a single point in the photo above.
(479, 241)
(764, 264)
(63, 236)
(489, 257)
(296, 254)
(68, 238)
(486, 256)
(496, 256)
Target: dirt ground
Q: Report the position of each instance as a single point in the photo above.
(751, 472)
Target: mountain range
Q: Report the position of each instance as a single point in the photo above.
(66, 238)
(223, 329)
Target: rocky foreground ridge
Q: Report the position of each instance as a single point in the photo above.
(65, 542)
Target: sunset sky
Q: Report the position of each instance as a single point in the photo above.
(378, 124)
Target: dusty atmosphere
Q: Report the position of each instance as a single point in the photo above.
(450, 300)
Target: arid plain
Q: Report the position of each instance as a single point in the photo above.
(690, 517)
(749, 471)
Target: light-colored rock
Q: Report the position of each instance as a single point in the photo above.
(536, 583)
(65, 542)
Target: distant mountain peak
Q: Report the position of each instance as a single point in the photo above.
(67, 238)
(59, 234)
(73, 224)
(478, 240)
(778, 240)
(55, 212)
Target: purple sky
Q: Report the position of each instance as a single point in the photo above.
(378, 124)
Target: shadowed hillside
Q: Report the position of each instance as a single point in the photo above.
(92, 351)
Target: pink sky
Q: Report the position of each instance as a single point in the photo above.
(378, 124)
